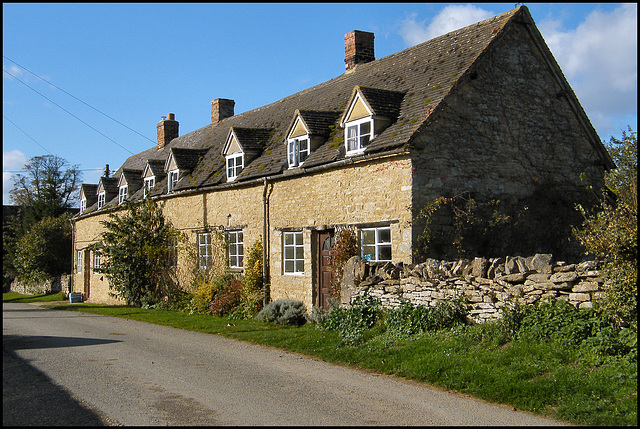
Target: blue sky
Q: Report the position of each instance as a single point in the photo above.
(89, 82)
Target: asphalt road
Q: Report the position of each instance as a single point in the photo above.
(116, 371)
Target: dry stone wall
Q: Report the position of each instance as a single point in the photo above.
(485, 285)
(54, 284)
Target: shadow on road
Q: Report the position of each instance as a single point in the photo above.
(30, 398)
(18, 342)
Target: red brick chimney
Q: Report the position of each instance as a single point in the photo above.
(167, 130)
(221, 108)
(358, 48)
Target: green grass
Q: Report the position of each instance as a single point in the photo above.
(541, 377)
(46, 297)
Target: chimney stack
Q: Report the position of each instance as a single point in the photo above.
(221, 108)
(167, 130)
(358, 48)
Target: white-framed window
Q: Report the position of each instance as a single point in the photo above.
(235, 164)
(83, 205)
(358, 134)
(172, 179)
(173, 252)
(375, 244)
(236, 249)
(101, 199)
(204, 250)
(96, 261)
(79, 261)
(293, 253)
(298, 151)
(149, 183)
(122, 194)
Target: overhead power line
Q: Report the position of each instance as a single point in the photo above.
(76, 98)
(3, 115)
(50, 100)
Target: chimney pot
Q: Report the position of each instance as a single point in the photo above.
(221, 108)
(358, 48)
(167, 130)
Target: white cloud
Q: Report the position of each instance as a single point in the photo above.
(12, 160)
(599, 59)
(449, 19)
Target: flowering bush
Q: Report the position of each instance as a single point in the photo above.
(227, 297)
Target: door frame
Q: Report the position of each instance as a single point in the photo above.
(87, 273)
(321, 237)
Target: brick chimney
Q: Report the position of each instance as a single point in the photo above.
(221, 108)
(358, 48)
(167, 130)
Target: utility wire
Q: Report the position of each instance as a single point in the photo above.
(73, 96)
(3, 115)
(45, 97)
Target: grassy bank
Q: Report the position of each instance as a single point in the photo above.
(544, 377)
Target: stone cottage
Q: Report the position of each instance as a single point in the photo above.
(485, 108)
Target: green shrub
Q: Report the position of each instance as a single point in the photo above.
(284, 312)
(407, 320)
(449, 314)
(318, 315)
(206, 291)
(591, 333)
(252, 283)
(352, 322)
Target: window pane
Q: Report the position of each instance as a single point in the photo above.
(288, 238)
(299, 266)
(384, 253)
(288, 252)
(299, 253)
(384, 235)
(369, 252)
(365, 128)
(368, 237)
(288, 266)
(299, 238)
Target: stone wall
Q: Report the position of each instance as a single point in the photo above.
(55, 284)
(485, 285)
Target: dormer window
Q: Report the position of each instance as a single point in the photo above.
(298, 150)
(123, 193)
(101, 199)
(370, 111)
(235, 164)
(149, 183)
(83, 205)
(358, 135)
(172, 179)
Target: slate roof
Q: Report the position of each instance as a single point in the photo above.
(133, 178)
(90, 192)
(252, 139)
(407, 87)
(318, 123)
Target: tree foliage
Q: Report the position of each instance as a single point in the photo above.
(135, 254)
(610, 232)
(48, 187)
(45, 250)
(46, 190)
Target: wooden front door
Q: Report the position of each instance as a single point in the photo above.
(325, 275)
(87, 273)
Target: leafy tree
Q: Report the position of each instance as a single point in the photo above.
(135, 250)
(611, 231)
(46, 190)
(45, 250)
